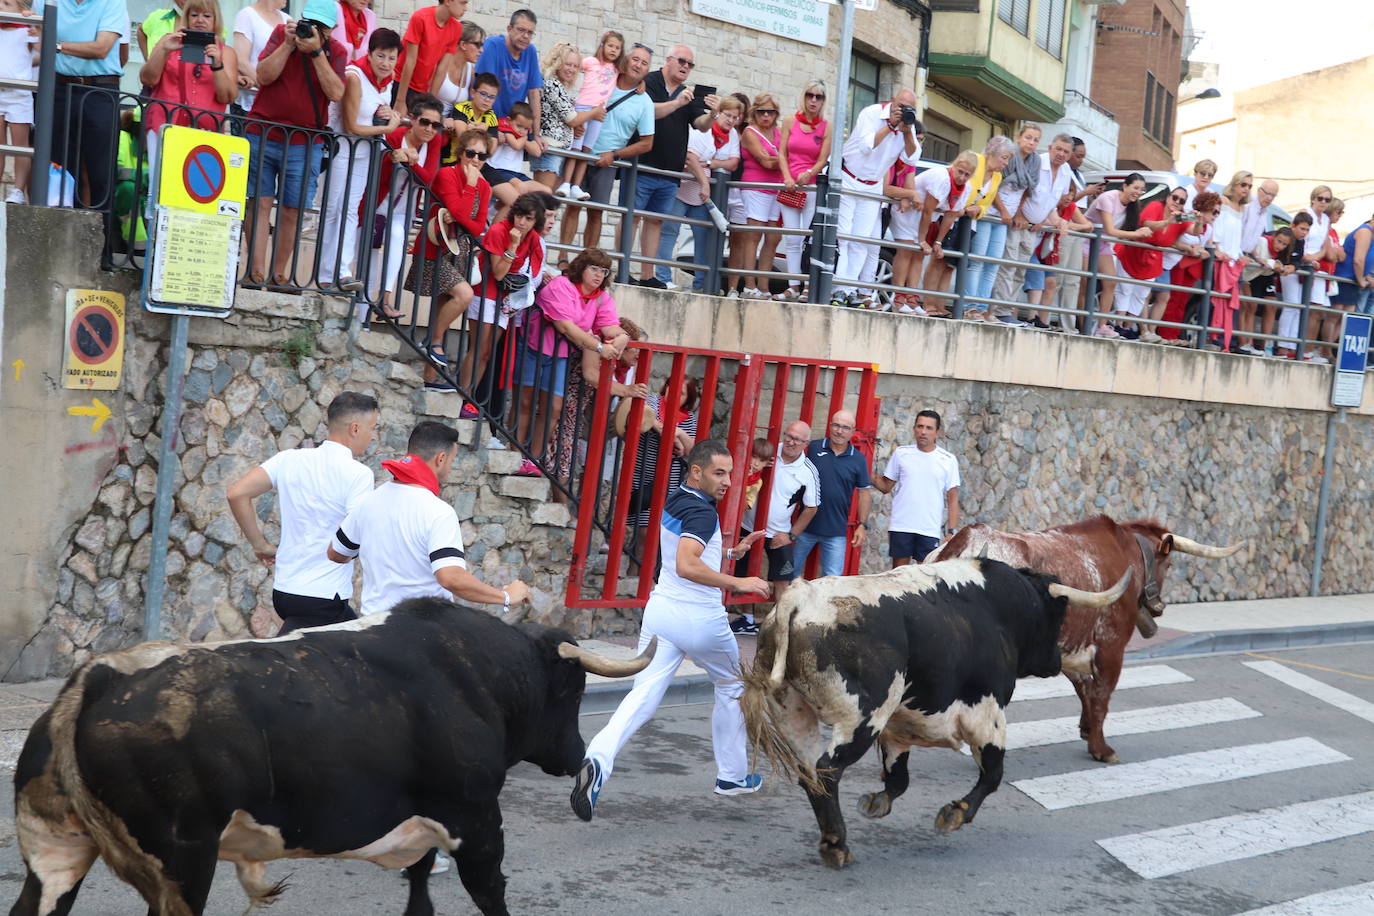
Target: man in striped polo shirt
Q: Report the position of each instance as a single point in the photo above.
(686, 614)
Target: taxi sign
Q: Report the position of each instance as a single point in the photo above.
(203, 171)
(1347, 386)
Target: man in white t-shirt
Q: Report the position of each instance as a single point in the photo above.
(1038, 211)
(316, 488)
(408, 537)
(796, 485)
(925, 508)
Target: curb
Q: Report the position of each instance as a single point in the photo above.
(1251, 640)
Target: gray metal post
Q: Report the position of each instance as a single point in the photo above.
(715, 239)
(46, 102)
(1309, 278)
(1090, 297)
(813, 284)
(629, 178)
(827, 214)
(965, 242)
(1328, 464)
(166, 478)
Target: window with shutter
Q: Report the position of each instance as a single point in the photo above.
(1049, 25)
(954, 6)
(1015, 13)
(1147, 116)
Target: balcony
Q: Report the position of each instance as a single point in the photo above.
(1095, 124)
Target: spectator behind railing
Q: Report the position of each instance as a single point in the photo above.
(505, 169)
(1195, 242)
(1020, 174)
(1358, 267)
(1315, 251)
(86, 116)
(1039, 211)
(1203, 173)
(1166, 222)
(452, 81)
(599, 74)
(1229, 264)
(758, 143)
(717, 147)
(559, 116)
(1054, 247)
(356, 24)
(803, 154)
(1274, 256)
(17, 58)
(1332, 255)
(441, 268)
(252, 29)
(431, 34)
(364, 112)
(1118, 213)
(299, 74)
(1290, 282)
(185, 72)
(413, 160)
(929, 204)
(515, 61)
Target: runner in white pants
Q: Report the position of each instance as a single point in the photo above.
(686, 614)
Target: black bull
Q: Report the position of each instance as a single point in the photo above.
(923, 655)
(379, 740)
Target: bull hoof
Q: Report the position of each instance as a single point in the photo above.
(836, 856)
(951, 817)
(1105, 756)
(875, 804)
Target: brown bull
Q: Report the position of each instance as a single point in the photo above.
(1091, 555)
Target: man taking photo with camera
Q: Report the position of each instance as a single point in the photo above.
(882, 134)
(300, 72)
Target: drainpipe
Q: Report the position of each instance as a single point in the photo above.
(1328, 465)
(923, 13)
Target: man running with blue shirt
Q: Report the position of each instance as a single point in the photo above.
(685, 613)
(843, 470)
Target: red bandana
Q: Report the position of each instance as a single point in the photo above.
(355, 25)
(809, 122)
(365, 65)
(411, 469)
(956, 191)
(721, 137)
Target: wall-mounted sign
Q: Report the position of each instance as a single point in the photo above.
(800, 20)
(93, 357)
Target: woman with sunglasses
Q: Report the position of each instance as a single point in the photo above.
(1203, 173)
(1231, 261)
(1174, 206)
(411, 162)
(802, 155)
(189, 88)
(1118, 213)
(1193, 243)
(1166, 221)
(461, 199)
(1314, 249)
(759, 154)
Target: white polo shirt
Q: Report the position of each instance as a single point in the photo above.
(923, 478)
(798, 482)
(316, 488)
(1042, 199)
(404, 535)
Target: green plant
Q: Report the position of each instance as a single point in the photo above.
(299, 345)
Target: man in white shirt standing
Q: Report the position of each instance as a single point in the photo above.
(687, 617)
(925, 509)
(882, 134)
(1038, 211)
(796, 484)
(316, 487)
(408, 537)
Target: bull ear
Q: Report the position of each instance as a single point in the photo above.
(1166, 545)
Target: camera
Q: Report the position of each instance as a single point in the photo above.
(909, 117)
(305, 28)
(193, 44)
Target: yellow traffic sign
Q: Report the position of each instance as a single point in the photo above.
(94, 355)
(203, 171)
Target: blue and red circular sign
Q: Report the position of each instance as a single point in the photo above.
(203, 174)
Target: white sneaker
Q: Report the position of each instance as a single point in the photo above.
(442, 863)
(495, 443)
(577, 193)
(1151, 337)
(16, 196)
(1105, 330)
(1317, 360)
(733, 294)
(911, 310)
(564, 190)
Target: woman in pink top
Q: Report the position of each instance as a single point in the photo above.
(191, 89)
(599, 73)
(759, 144)
(575, 311)
(803, 153)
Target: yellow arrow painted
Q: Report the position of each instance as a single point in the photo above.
(97, 410)
(18, 365)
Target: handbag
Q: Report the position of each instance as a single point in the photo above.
(794, 198)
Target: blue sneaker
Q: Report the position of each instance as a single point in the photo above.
(587, 788)
(751, 783)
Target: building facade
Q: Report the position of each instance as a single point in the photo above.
(1137, 67)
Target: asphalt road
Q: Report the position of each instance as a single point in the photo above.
(1299, 809)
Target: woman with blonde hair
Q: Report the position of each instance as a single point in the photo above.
(759, 151)
(558, 114)
(189, 88)
(599, 73)
(929, 205)
(802, 155)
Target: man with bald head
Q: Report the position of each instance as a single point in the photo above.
(677, 110)
(882, 134)
(794, 498)
(843, 470)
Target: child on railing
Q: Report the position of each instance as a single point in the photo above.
(17, 59)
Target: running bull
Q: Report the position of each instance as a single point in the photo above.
(1090, 555)
(921, 655)
(379, 739)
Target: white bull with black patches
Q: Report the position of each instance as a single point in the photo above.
(922, 655)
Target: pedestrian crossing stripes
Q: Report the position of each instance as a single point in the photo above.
(1356, 900)
(1131, 722)
(1173, 850)
(1319, 689)
(1048, 688)
(1164, 774)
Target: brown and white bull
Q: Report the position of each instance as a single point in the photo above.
(1090, 555)
(922, 655)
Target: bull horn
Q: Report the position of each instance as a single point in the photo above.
(1092, 599)
(983, 554)
(1189, 546)
(608, 667)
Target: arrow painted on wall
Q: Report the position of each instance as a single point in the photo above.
(98, 410)
(18, 365)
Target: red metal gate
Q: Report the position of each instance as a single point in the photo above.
(741, 396)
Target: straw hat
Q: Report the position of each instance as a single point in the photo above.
(442, 223)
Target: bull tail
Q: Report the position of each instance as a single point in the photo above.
(765, 693)
(118, 848)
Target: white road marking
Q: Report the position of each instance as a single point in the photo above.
(1131, 722)
(1172, 850)
(1356, 900)
(1163, 774)
(1322, 691)
(1048, 688)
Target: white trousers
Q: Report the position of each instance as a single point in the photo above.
(399, 205)
(796, 218)
(1290, 319)
(858, 216)
(701, 633)
(339, 234)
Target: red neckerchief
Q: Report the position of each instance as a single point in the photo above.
(812, 123)
(721, 137)
(365, 65)
(411, 469)
(355, 25)
(588, 297)
(956, 191)
(506, 127)
(753, 478)
(1273, 250)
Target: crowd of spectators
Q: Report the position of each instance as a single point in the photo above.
(445, 104)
